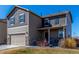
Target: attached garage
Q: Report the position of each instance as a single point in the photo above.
(18, 40)
(18, 36)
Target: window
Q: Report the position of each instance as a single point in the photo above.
(52, 22)
(46, 22)
(12, 20)
(56, 21)
(22, 18)
(61, 34)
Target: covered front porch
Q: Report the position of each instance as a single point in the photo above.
(52, 35)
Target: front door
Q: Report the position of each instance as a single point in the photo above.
(46, 35)
(53, 39)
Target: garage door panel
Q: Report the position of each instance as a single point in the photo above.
(18, 39)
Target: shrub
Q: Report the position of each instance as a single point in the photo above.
(68, 43)
(42, 43)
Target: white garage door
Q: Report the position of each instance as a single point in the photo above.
(18, 40)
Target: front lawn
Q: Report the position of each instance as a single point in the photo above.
(39, 50)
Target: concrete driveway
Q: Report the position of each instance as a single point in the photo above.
(2, 47)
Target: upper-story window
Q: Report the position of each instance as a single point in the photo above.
(22, 18)
(56, 21)
(46, 22)
(52, 22)
(12, 21)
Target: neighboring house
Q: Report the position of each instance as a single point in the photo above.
(3, 31)
(25, 27)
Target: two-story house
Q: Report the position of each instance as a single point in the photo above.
(24, 26)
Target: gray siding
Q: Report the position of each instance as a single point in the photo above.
(18, 30)
(62, 21)
(68, 26)
(34, 23)
(54, 34)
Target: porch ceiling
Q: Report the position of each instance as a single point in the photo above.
(53, 28)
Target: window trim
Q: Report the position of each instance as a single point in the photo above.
(12, 19)
(56, 21)
(22, 14)
(59, 33)
(46, 20)
(52, 22)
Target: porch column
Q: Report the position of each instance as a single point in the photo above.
(64, 29)
(49, 35)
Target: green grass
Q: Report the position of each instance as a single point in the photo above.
(40, 51)
(47, 51)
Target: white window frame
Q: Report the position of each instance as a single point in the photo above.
(52, 21)
(21, 15)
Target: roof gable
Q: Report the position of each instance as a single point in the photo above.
(17, 7)
(14, 10)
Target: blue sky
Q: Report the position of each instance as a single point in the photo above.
(48, 9)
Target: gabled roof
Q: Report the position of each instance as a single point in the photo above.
(22, 9)
(56, 14)
(59, 14)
